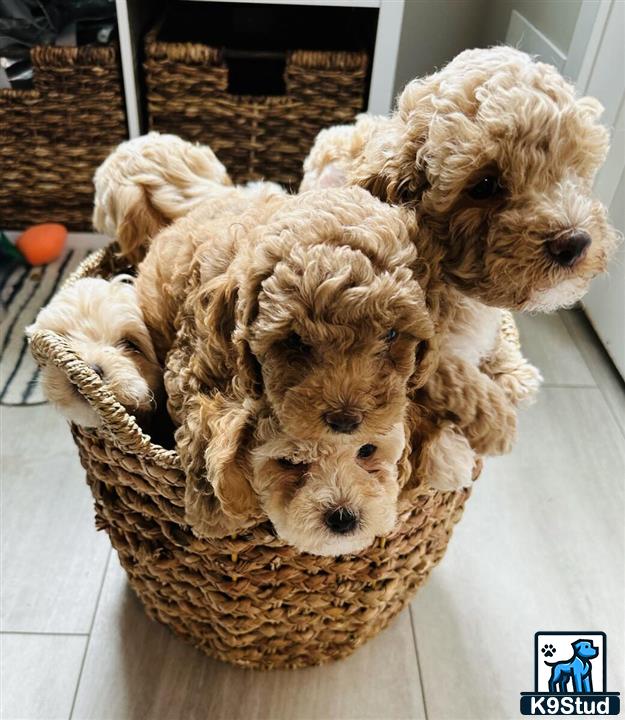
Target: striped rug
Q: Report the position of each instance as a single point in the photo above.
(23, 291)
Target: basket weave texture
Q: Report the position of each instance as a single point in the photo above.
(53, 137)
(255, 137)
(251, 599)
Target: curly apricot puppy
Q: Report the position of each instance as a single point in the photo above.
(497, 156)
(326, 497)
(494, 156)
(305, 303)
(102, 322)
(330, 497)
(306, 300)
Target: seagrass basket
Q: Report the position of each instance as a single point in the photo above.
(53, 137)
(251, 599)
(256, 137)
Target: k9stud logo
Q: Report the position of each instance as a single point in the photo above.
(570, 676)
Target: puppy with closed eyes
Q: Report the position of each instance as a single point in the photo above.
(103, 324)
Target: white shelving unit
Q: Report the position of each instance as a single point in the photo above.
(132, 16)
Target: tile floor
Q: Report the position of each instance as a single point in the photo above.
(540, 546)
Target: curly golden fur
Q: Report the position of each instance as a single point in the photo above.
(241, 467)
(494, 157)
(118, 176)
(331, 161)
(497, 156)
(103, 323)
(330, 497)
(307, 300)
(148, 182)
(303, 304)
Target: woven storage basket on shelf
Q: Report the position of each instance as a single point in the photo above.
(250, 599)
(255, 137)
(53, 137)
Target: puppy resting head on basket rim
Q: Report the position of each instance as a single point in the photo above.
(330, 497)
(102, 322)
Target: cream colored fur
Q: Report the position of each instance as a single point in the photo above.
(103, 324)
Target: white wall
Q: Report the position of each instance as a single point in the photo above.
(433, 32)
(554, 18)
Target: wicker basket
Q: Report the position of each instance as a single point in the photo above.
(52, 138)
(255, 137)
(250, 599)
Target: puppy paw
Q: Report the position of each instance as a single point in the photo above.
(495, 434)
(522, 385)
(449, 461)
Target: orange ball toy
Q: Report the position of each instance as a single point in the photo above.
(41, 244)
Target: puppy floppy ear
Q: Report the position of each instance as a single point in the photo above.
(230, 351)
(393, 164)
(426, 361)
(218, 299)
(257, 267)
(218, 496)
(227, 460)
(249, 373)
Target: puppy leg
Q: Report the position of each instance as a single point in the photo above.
(478, 406)
(447, 462)
(518, 378)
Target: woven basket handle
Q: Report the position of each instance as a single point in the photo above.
(120, 427)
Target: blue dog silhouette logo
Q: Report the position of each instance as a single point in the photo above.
(570, 676)
(574, 675)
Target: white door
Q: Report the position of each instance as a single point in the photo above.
(602, 74)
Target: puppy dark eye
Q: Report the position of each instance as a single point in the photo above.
(294, 343)
(130, 345)
(290, 465)
(391, 336)
(367, 450)
(486, 187)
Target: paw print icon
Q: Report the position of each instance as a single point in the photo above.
(548, 650)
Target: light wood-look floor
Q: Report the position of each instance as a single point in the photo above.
(540, 547)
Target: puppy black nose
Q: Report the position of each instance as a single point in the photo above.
(343, 421)
(568, 249)
(97, 369)
(341, 520)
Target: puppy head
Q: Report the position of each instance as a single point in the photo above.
(498, 156)
(103, 324)
(334, 319)
(331, 497)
